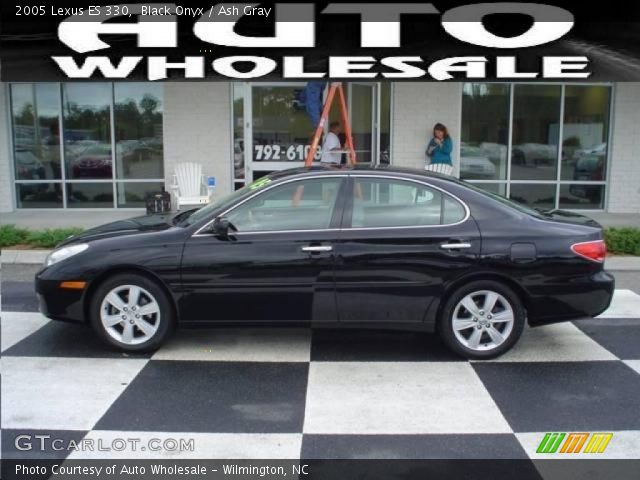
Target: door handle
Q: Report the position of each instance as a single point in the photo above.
(452, 246)
(317, 248)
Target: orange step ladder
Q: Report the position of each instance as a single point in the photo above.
(335, 87)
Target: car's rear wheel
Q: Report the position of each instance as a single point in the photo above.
(482, 320)
(131, 312)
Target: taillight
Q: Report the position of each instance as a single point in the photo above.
(594, 251)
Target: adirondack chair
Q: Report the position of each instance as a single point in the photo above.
(189, 185)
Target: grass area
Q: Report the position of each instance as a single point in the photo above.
(11, 236)
(620, 241)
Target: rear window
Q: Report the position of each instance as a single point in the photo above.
(380, 203)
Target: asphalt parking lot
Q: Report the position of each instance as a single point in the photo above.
(297, 393)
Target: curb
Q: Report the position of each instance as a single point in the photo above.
(622, 263)
(32, 257)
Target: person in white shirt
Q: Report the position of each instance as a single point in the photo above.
(331, 147)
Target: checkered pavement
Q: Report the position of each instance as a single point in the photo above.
(291, 393)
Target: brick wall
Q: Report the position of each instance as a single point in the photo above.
(417, 107)
(624, 167)
(197, 123)
(6, 189)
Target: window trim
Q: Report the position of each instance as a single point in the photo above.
(349, 176)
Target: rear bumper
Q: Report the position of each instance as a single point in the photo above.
(60, 304)
(585, 298)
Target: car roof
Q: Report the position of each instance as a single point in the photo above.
(381, 170)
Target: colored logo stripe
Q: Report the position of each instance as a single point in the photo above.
(574, 442)
(550, 443)
(598, 442)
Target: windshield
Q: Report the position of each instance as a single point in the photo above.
(224, 202)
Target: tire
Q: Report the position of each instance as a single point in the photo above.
(492, 325)
(136, 331)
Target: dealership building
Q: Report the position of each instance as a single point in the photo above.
(106, 146)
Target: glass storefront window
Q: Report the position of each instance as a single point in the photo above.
(534, 195)
(39, 195)
(362, 121)
(582, 196)
(84, 176)
(36, 131)
(90, 195)
(238, 135)
(385, 123)
(584, 132)
(281, 126)
(485, 131)
(532, 141)
(536, 131)
(133, 194)
(138, 130)
(86, 113)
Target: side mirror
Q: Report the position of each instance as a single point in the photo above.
(222, 226)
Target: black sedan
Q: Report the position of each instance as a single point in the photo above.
(358, 247)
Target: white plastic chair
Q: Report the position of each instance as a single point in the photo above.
(189, 185)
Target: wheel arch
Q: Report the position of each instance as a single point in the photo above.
(435, 310)
(124, 269)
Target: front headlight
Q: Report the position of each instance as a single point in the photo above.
(64, 253)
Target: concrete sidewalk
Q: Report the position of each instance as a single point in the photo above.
(619, 263)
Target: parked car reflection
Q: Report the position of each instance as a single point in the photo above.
(474, 164)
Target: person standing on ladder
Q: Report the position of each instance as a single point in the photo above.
(331, 148)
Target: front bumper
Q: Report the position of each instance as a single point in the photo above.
(59, 303)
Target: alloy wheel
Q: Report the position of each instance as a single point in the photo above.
(483, 320)
(130, 314)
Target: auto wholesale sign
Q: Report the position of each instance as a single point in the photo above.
(508, 41)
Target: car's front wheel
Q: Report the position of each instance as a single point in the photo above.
(131, 312)
(482, 320)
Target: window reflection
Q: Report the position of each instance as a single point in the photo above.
(90, 195)
(87, 130)
(485, 131)
(585, 131)
(538, 195)
(36, 131)
(587, 196)
(138, 124)
(536, 130)
(238, 134)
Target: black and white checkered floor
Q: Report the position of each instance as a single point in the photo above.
(290, 393)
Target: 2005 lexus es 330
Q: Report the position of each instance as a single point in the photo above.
(357, 247)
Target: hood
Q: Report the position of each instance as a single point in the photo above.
(143, 224)
(570, 217)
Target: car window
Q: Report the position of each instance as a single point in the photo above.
(396, 203)
(301, 205)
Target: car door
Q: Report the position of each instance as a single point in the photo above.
(401, 241)
(277, 267)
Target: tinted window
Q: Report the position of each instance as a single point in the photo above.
(397, 203)
(302, 205)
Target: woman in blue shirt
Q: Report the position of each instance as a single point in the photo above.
(439, 150)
